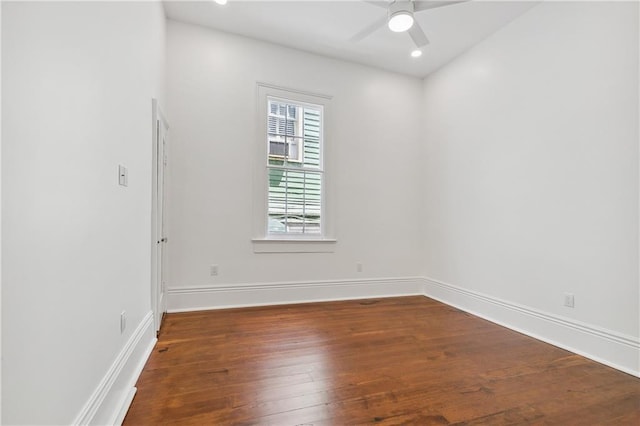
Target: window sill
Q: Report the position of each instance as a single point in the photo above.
(281, 245)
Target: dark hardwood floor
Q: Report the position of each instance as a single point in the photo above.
(408, 360)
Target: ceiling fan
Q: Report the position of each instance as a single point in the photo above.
(399, 18)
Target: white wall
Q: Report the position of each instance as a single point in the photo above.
(77, 80)
(211, 83)
(531, 161)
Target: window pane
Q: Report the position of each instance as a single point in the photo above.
(287, 148)
(299, 128)
(294, 146)
(294, 201)
(277, 148)
(292, 112)
(284, 119)
(294, 153)
(311, 131)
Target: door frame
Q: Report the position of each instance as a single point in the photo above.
(158, 297)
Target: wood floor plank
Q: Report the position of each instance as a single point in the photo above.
(408, 360)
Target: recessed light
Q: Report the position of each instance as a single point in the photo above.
(221, 2)
(416, 53)
(400, 21)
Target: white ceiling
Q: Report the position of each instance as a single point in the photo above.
(326, 27)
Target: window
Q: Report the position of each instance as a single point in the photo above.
(294, 164)
(291, 188)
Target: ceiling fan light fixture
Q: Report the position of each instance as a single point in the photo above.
(221, 2)
(400, 21)
(416, 53)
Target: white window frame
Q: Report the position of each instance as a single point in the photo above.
(263, 242)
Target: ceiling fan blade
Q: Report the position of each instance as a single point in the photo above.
(369, 29)
(380, 3)
(417, 35)
(426, 5)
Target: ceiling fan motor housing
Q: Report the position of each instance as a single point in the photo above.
(400, 16)
(400, 6)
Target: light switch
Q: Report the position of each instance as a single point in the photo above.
(123, 175)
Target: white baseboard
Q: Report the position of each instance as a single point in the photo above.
(261, 294)
(605, 346)
(126, 403)
(110, 401)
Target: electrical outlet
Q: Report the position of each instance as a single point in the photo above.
(359, 266)
(123, 321)
(123, 175)
(569, 300)
(214, 270)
